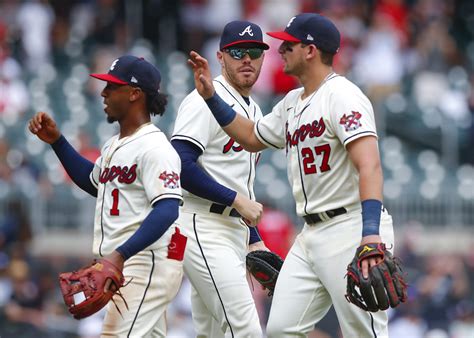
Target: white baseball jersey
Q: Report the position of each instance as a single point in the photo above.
(131, 174)
(222, 158)
(214, 260)
(315, 132)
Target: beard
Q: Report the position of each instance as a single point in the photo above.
(239, 79)
(111, 119)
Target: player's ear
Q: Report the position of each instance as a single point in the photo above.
(136, 93)
(312, 51)
(220, 57)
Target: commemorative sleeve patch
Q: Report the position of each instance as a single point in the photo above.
(351, 122)
(170, 180)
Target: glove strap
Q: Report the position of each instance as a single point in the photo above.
(370, 250)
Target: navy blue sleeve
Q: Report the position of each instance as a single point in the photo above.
(195, 180)
(77, 167)
(160, 218)
(254, 235)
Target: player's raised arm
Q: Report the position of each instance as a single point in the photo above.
(77, 167)
(235, 125)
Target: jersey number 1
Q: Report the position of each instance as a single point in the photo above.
(115, 196)
(309, 159)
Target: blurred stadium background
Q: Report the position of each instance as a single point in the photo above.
(413, 58)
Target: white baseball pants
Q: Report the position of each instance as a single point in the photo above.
(312, 279)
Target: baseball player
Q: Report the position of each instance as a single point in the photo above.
(218, 177)
(327, 128)
(137, 185)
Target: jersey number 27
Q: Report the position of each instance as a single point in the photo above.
(309, 159)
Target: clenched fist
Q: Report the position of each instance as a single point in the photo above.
(43, 126)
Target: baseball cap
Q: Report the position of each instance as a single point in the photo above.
(134, 71)
(241, 32)
(311, 28)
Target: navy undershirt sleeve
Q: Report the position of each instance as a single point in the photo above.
(254, 235)
(195, 180)
(160, 218)
(77, 167)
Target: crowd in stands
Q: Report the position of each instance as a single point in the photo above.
(414, 59)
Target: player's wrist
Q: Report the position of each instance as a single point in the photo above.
(57, 140)
(223, 113)
(371, 211)
(237, 200)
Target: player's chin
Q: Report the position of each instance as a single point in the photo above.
(287, 70)
(248, 79)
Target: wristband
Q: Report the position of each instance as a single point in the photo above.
(223, 113)
(371, 210)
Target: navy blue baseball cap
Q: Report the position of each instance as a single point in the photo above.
(311, 28)
(242, 33)
(133, 71)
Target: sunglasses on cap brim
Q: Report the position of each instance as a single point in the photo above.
(239, 53)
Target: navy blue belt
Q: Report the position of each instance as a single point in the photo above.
(220, 208)
(323, 216)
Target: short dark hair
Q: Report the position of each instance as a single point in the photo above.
(156, 104)
(326, 58)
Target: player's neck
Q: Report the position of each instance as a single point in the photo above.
(131, 126)
(313, 79)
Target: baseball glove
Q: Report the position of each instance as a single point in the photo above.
(385, 285)
(264, 266)
(83, 290)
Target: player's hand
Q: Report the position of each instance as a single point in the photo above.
(43, 126)
(202, 75)
(251, 211)
(366, 264)
(116, 259)
(258, 246)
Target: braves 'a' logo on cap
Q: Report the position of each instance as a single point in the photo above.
(351, 122)
(291, 20)
(170, 180)
(113, 64)
(247, 30)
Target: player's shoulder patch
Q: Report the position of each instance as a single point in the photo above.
(351, 121)
(170, 179)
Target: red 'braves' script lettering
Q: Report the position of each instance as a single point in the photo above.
(311, 130)
(123, 174)
(230, 145)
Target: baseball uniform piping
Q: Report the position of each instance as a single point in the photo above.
(372, 325)
(102, 221)
(94, 183)
(210, 274)
(190, 139)
(299, 165)
(358, 135)
(245, 110)
(264, 140)
(252, 163)
(136, 138)
(144, 294)
(166, 195)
